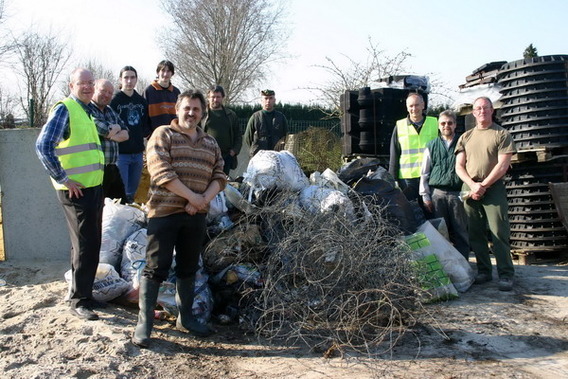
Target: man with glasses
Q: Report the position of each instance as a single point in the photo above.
(483, 156)
(440, 185)
(70, 150)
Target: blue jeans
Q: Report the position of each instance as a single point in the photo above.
(130, 167)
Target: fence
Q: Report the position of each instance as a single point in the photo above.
(10, 122)
(296, 126)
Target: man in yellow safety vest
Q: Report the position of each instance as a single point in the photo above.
(70, 150)
(408, 141)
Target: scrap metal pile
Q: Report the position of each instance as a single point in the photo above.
(321, 261)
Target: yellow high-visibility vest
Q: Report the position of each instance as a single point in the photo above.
(80, 155)
(412, 145)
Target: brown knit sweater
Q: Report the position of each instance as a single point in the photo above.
(171, 154)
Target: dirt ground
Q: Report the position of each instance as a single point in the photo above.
(484, 333)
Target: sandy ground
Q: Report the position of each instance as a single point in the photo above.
(485, 333)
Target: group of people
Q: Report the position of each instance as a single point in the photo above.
(92, 146)
(93, 142)
(460, 179)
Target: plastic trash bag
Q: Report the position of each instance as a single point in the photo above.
(134, 257)
(434, 280)
(329, 179)
(318, 199)
(398, 208)
(455, 265)
(358, 168)
(244, 273)
(274, 169)
(108, 284)
(441, 226)
(202, 302)
(217, 207)
(119, 222)
(167, 297)
(235, 198)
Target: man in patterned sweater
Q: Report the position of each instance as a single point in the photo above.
(186, 171)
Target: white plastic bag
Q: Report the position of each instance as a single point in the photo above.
(119, 222)
(134, 257)
(320, 199)
(454, 264)
(237, 200)
(217, 206)
(108, 284)
(274, 169)
(329, 179)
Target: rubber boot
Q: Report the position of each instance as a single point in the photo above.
(148, 296)
(186, 322)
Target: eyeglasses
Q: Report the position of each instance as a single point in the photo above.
(87, 83)
(444, 123)
(481, 109)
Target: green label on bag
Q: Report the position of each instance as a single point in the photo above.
(417, 241)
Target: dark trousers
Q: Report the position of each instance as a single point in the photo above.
(113, 187)
(448, 205)
(84, 222)
(181, 231)
(410, 188)
(228, 163)
(491, 211)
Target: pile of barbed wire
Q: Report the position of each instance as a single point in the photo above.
(330, 280)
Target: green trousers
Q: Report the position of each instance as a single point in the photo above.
(490, 211)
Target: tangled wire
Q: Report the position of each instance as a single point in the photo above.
(330, 279)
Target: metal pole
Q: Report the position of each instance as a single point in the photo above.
(31, 112)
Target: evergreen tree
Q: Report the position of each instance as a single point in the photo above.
(530, 52)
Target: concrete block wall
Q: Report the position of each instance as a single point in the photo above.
(33, 222)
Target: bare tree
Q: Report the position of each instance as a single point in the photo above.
(141, 85)
(99, 72)
(226, 42)
(7, 109)
(42, 58)
(5, 45)
(356, 74)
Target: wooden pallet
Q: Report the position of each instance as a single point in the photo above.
(528, 257)
(540, 154)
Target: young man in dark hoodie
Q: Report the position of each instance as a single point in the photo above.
(133, 110)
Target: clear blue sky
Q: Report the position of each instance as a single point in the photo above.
(447, 39)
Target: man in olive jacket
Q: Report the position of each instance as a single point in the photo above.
(266, 128)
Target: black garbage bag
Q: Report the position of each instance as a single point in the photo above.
(399, 210)
(358, 168)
